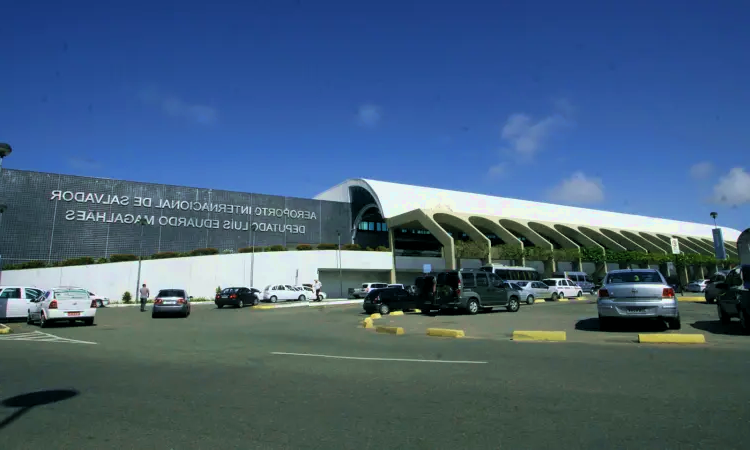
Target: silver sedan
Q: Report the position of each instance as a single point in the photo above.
(637, 294)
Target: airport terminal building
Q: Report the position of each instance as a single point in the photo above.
(53, 217)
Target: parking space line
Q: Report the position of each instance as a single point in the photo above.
(359, 358)
(39, 336)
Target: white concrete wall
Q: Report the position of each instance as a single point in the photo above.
(417, 262)
(201, 275)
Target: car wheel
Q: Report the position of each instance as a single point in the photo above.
(302, 298)
(579, 294)
(723, 316)
(709, 300)
(239, 304)
(274, 299)
(43, 321)
(219, 305)
(744, 321)
(674, 323)
(28, 318)
(88, 321)
(472, 306)
(154, 315)
(513, 304)
(384, 309)
(255, 301)
(530, 300)
(554, 296)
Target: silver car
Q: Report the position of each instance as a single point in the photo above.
(532, 290)
(637, 294)
(171, 302)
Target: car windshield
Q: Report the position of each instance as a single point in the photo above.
(171, 293)
(71, 294)
(633, 277)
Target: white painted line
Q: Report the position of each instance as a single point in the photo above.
(38, 336)
(380, 359)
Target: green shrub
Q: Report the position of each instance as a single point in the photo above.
(228, 251)
(382, 248)
(80, 261)
(126, 297)
(166, 255)
(204, 252)
(327, 246)
(251, 250)
(352, 247)
(201, 299)
(31, 265)
(122, 258)
(277, 248)
(303, 247)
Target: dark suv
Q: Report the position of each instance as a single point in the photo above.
(733, 297)
(388, 299)
(469, 290)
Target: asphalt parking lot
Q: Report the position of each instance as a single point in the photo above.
(314, 378)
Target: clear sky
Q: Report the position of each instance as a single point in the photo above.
(639, 106)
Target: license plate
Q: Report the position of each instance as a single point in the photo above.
(169, 303)
(637, 310)
(224, 296)
(73, 314)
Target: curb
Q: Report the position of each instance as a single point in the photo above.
(671, 339)
(309, 304)
(389, 330)
(5, 329)
(396, 313)
(445, 332)
(539, 336)
(125, 305)
(691, 299)
(375, 316)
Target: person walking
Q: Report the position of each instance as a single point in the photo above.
(317, 286)
(144, 293)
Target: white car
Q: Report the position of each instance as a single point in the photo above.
(311, 293)
(697, 286)
(284, 292)
(62, 303)
(15, 301)
(562, 288)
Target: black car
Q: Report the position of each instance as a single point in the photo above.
(237, 297)
(386, 300)
(734, 297)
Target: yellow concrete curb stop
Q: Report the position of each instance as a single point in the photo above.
(367, 323)
(445, 332)
(389, 330)
(539, 336)
(4, 329)
(418, 311)
(671, 339)
(562, 299)
(691, 299)
(540, 300)
(375, 316)
(397, 313)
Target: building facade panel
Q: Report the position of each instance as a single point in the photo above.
(53, 217)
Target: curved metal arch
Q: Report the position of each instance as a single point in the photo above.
(550, 233)
(482, 222)
(621, 239)
(527, 232)
(667, 247)
(366, 186)
(707, 249)
(651, 248)
(572, 234)
(463, 225)
(438, 232)
(361, 214)
(605, 241)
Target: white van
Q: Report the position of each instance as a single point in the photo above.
(15, 301)
(512, 273)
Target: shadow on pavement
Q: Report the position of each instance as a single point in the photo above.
(25, 402)
(715, 327)
(630, 325)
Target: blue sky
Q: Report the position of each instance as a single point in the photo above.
(640, 107)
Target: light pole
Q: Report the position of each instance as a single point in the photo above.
(2, 210)
(341, 281)
(713, 216)
(5, 150)
(252, 261)
(142, 223)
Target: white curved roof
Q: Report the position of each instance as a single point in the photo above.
(394, 199)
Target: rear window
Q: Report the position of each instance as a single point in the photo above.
(225, 291)
(380, 285)
(365, 285)
(448, 279)
(633, 277)
(373, 294)
(550, 282)
(171, 293)
(523, 283)
(76, 294)
(469, 280)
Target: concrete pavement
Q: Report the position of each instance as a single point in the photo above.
(275, 379)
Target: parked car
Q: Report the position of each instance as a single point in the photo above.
(711, 292)
(697, 285)
(733, 299)
(362, 292)
(171, 302)
(100, 301)
(469, 290)
(284, 292)
(637, 294)
(310, 293)
(237, 297)
(532, 290)
(16, 300)
(62, 304)
(389, 299)
(581, 279)
(562, 288)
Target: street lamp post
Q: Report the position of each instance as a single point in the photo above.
(5, 150)
(142, 223)
(252, 261)
(341, 281)
(2, 210)
(713, 216)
